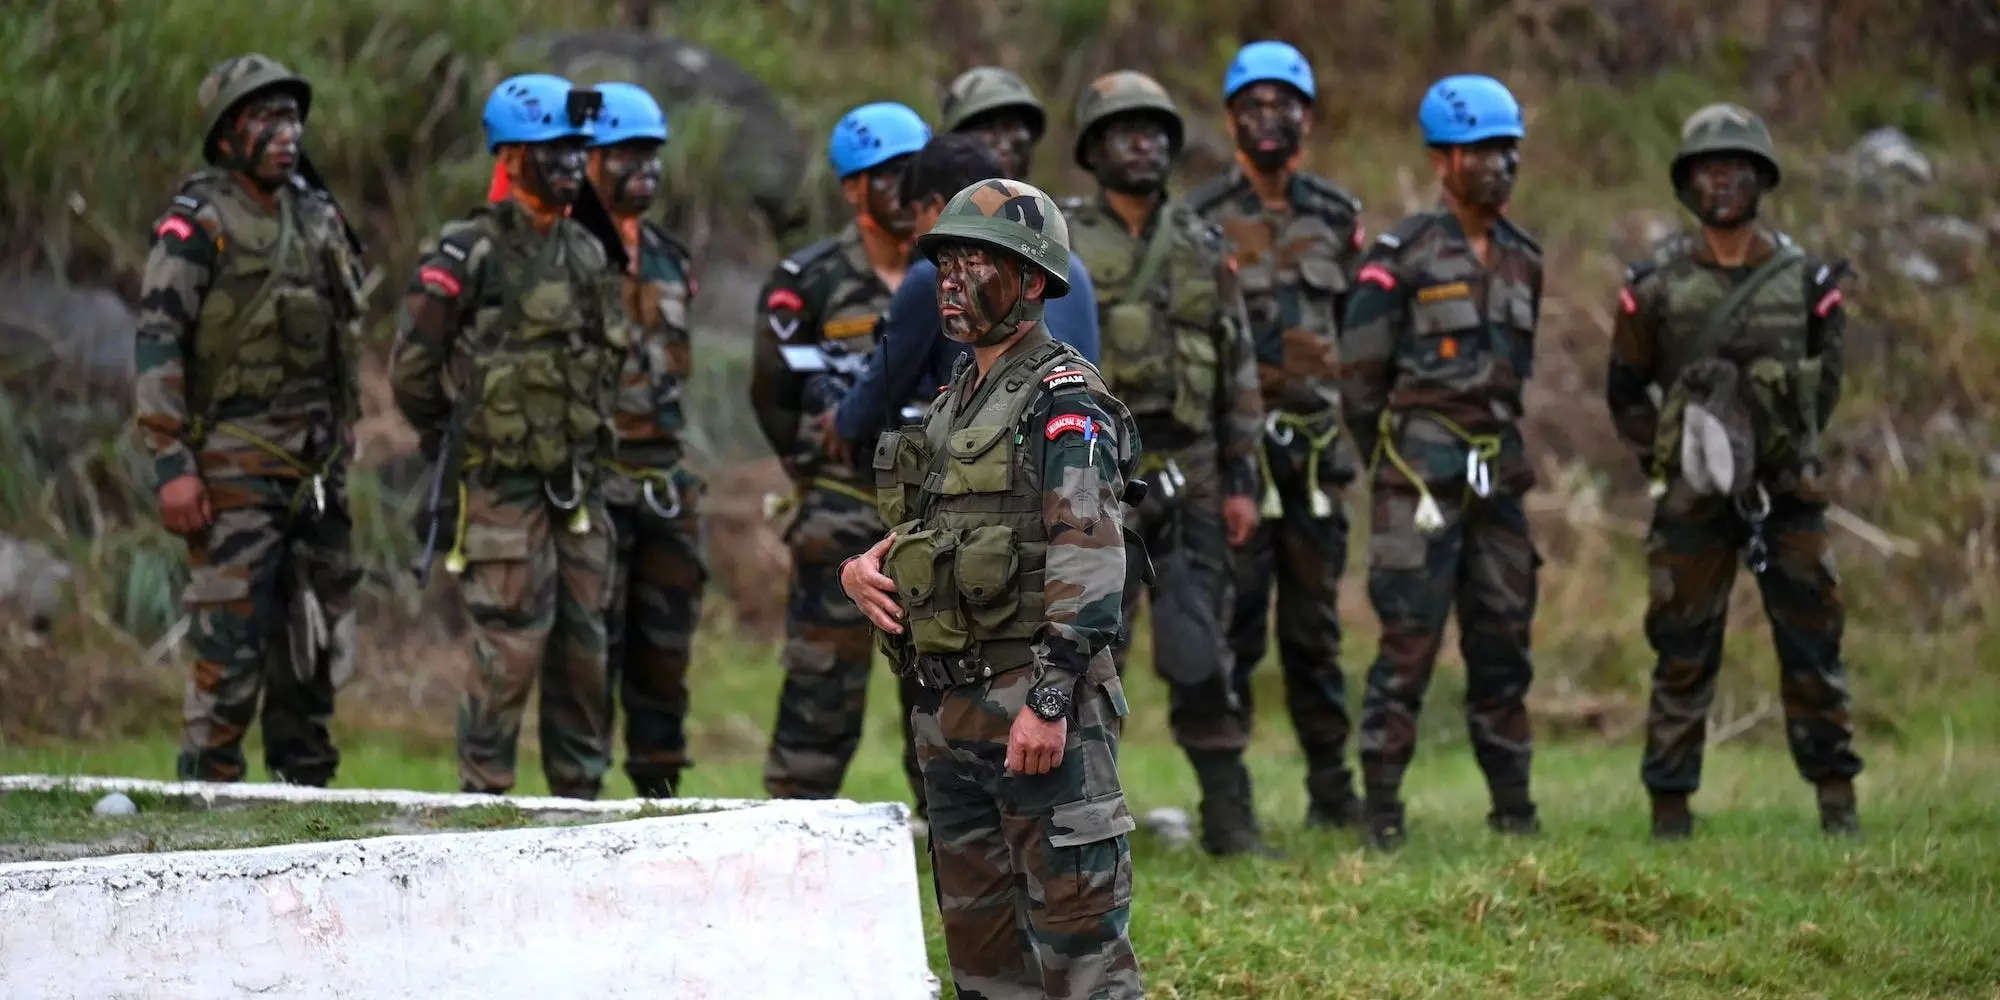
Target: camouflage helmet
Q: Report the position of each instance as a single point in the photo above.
(1725, 128)
(1116, 94)
(1010, 215)
(990, 88)
(236, 78)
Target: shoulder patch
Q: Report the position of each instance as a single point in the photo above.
(175, 226)
(1639, 270)
(783, 299)
(1068, 422)
(188, 202)
(1627, 302)
(1389, 240)
(1063, 378)
(439, 280)
(1377, 275)
(798, 262)
(850, 326)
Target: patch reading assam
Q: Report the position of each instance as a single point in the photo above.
(1448, 290)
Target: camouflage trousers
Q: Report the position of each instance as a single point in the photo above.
(1483, 562)
(1692, 554)
(1303, 556)
(656, 581)
(1033, 872)
(1190, 600)
(828, 648)
(536, 594)
(247, 571)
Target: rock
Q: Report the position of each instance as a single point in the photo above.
(87, 329)
(1887, 155)
(1173, 826)
(31, 581)
(1957, 246)
(115, 804)
(1917, 267)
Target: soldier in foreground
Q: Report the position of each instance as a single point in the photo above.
(999, 592)
(815, 329)
(657, 570)
(1438, 340)
(1739, 330)
(1177, 353)
(506, 364)
(247, 392)
(1295, 238)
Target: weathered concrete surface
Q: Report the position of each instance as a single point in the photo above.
(777, 899)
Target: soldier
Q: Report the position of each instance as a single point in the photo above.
(815, 330)
(506, 362)
(1739, 330)
(247, 392)
(657, 571)
(1001, 599)
(1438, 339)
(1176, 351)
(1295, 237)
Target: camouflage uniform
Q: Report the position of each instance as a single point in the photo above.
(508, 342)
(824, 302)
(245, 362)
(1435, 349)
(657, 570)
(1294, 266)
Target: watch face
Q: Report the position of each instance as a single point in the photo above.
(1049, 703)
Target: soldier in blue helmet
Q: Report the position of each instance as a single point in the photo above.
(507, 354)
(1438, 339)
(816, 326)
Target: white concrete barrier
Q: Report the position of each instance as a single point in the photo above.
(765, 899)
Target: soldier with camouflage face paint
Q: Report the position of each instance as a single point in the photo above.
(1177, 351)
(1740, 332)
(507, 357)
(247, 393)
(1437, 343)
(998, 591)
(1296, 239)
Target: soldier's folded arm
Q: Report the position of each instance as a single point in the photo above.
(427, 325)
(1377, 315)
(1633, 365)
(178, 268)
(1083, 586)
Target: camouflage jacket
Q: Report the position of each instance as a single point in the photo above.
(1294, 265)
(1662, 310)
(816, 326)
(1015, 554)
(248, 333)
(1178, 352)
(1443, 345)
(520, 332)
(657, 293)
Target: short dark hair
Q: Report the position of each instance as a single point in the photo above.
(948, 164)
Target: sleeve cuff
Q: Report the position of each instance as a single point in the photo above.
(171, 465)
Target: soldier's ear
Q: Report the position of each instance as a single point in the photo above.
(1033, 283)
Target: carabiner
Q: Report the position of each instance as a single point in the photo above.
(1280, 434)
(673, 508)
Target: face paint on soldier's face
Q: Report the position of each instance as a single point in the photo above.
(1010, 138)
(1726, 189)
(627, 175)
(1131, 154)
(1482, 175)
(1269, 122)
(553, 170)
(977, 288)
(883, 199)
(266, 138)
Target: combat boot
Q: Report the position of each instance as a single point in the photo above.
(1333, 804)
(660, 785)
(1513, 812)
(1837, 814)
(1385, 830)
(1671, 818)
(1228, 815)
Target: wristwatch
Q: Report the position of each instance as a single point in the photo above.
(1048, 702)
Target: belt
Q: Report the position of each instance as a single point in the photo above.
(939, 672)
(314, 479)
(1280, 426)
(1480, 451)
(579, 514)
(650, 479)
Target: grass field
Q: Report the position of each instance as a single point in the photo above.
(1759, 904)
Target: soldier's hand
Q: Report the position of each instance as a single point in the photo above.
(875, 594)
(830, 440)
(184, 506)
(1239, 519)
(1034, 744)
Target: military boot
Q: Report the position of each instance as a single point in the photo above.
(1228, 815)
(1513, 812)
(660, 785)
(1837, 814)
(1383, 812)
(1671, 818)
(579, 791)
(1332, 803)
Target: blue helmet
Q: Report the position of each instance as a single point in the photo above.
(1459, 110)
(629, 113)
(537, 107)
(1261, 61)
(873, 134)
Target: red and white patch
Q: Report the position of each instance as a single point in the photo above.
(1066, 423)
(1827, 303)
(1360, 235)
(444, 281)
(1627, 304)
(175, 226)
(1377, 275)
(784, 298)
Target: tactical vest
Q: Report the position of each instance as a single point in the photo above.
(544, 359)
(965, 494)
(267, 329)
(1160, 353)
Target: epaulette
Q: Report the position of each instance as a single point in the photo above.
(1327, 189)
(1514, 230)
(461, 240)
(1215, 191)
(1392, 240)
(1639, 270)
(799, 261)
(1078, 208)
(659, 235)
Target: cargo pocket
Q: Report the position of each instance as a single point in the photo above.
(1089, 872)
(495, 583)
(212, 585)
(899, 465)
(1322, 280)
(917, 562)
(1394, 544)
(1196, 382)
(980, 463)
(985, 568)
(1441, 329)
(498, 423)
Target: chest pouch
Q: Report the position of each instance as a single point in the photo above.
(901, 457)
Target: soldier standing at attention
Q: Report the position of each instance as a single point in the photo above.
(1296, 238)
(1740, 331)
(1439, 338)
(657, 570)
(815, 329)
(247, 392)
(506, 363)
(1176, 351)
(998, 593)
